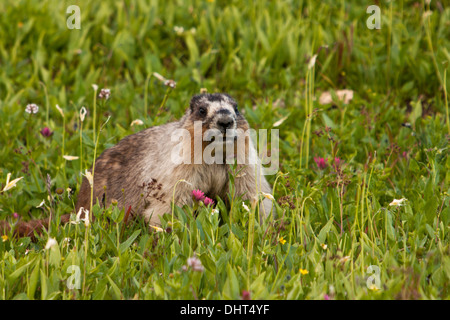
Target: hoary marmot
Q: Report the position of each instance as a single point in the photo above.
(141, 171)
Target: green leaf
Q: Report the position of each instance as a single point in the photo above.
(231, 287)
(208, 263)
(44, 286)
(127, 243)
(323, 233)
(33, 281)
(16, 274)
(416, 111)
(116, 291)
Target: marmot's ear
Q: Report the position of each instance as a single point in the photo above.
(195, 101)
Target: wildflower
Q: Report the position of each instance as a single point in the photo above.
(312, 61)
(137, 122)
(208, 201)
(15, 215)
(78, 218)
(46, 132)
(70, 158)
(89, 177)
(31, 108)
(324, 246)
(50, 243)
(104, 94)
(195, 264)
(95, 87)
(373, 287)
(5, 238)
(41, 204)
(86, 218)
(268, 195)
(214, 211)
(303, 271)
(10, 184)
(178, 30)
(345, 96)
(337, 162)
(245, 207)
(167, 82)
(157, 229)
(198, 195)
(282, 240)
(426, 14)
(344, 259)
(82, 113)
(60, 111)
(279, 122)
(320, 162)
(246, 295)
(326, 297)
(398, 202)
(170, 83)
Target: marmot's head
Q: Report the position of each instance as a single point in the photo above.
(216, 111)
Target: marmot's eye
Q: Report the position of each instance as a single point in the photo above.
(202, 111)
(236, 109)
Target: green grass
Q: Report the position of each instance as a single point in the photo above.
(336, 222)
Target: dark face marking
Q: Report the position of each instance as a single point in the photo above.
(224, 111)
(200, 107)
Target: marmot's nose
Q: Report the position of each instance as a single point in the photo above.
(224, 124)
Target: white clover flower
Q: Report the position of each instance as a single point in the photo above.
(31, 108)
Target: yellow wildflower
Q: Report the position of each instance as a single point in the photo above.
(5, 238)
(303, 271)
(282, 240)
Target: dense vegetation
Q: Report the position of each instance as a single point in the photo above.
(339, 234)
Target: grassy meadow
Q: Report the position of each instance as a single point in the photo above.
(362, 191)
